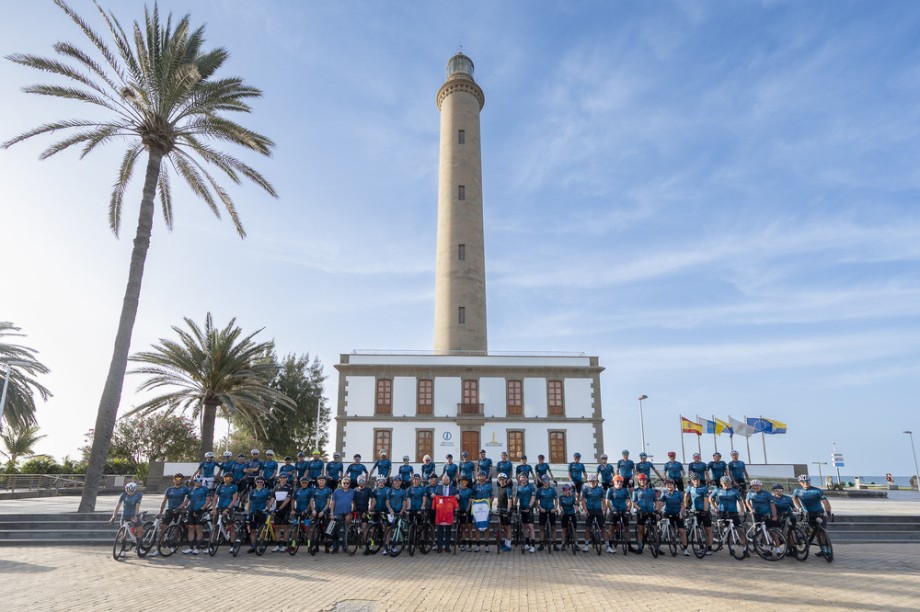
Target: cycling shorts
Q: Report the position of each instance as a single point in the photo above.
(676, 520)
(283, 516)
(170, 515)
(733, 516)
(814, 516)
(504, 518)
(643, 516)
(570, 518)
(548, 516)
(577, 485)
(615, 516)
(595, 516)
(527, 517)
(464, 517)
(256, 518)
(194, 517)
(704, 518)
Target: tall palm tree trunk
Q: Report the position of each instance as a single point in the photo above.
(207, 426)
(111, 394)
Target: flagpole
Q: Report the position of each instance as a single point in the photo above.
(747, 441)
(683, 453)
(763, 439)
(699, 448)
(715, 427)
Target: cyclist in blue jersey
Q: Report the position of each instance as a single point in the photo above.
(405, 472)
(175, 499)
(269, 469)
(577, 473)
(645, 499)
(301, 466)
(761, 505)
(737, 471)
(696, 499)
(226, 466)
(482, 490)
(605, 472)
(428, 469)
(303, 496)
(258, 504)
(198, 498)
(464, 513)
(526, 498)
(239, 475)
(625, 468)
(699, 467)
(674, 470)
(450, 469)
(416, 494)
(484, 465)
(341, 507)
(315, 467)
(322, 497)
(289, 469)
(355, 470)
(395, 499)
(785, 506)
(429, 494)
(547, 504)
(225, 499)
(568, 507)
(618, 504)
(811, 500)
(379, 498)
(334, 471)
(541, 468)
(592, 502)
(728, 500)
(717, 469)
(672, 502)
(362, 503)
(505, 467)
(131, 500)
(647, 467)
(523, 469)
(206, 470)
(504, 502)
(253, 467)
(382, 466)
(467, 467)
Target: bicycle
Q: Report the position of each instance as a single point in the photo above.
(764, 541)
(650, 537)
(171, 537)
(517, 531)
(319, 533)
(729, 535)
(266, 534)
(817, 536)
(125, 538)
(547, 534)
(354, 534)
(397, 535)
(796, 539)
(299, 533)
(667, 534)
(152, 530)
(375, 533)
(220, 532)
(597, 539)
(570, 534)
(620, 532)
(421, 535)
(500, 531)
(696, 535)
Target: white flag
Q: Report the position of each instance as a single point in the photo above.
(741, 428)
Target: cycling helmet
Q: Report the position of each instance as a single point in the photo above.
(209, 455)
(668, 481)
(270, 452)
(604, 456)
(397, 478)
(228, 454)
(241, 456)
(641, 477)
(756, 483)
(592, 477)
(416, 476)
(301, 454)
(405, 457)
(288, 459)
(696, 455)
(777, 486)
(316, 453)
(577, 455)
(357, 456)
(717, 454)
(725, 480)
(131, 487)
(694, 476)
(362, 479)
(381, 479)
(642, 455)
(321, 477)
(733, 453)
(464, 454)
(260, 479)
(336, 456)
(625, 452)
(228, 475)
(566, 487)
(804, 478)
(618, 478)
(305, 479)
(383, 451)
(672, 454)
(285, 475)
(546, 478)
(426, 458)
(503, 475)
(197, 480)
(254, 451)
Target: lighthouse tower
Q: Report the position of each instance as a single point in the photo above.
(460, 283)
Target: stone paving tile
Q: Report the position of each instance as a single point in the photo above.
(862, 577)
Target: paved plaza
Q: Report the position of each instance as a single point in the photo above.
(862, 577)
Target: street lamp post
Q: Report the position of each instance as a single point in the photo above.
(820, 475)
(914, 451)
(642, 422)
(6, 383)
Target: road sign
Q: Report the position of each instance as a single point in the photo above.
(837, 458)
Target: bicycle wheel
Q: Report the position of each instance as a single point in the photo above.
(294, 539)
(170, 540)
(824, 542)
(499, 536)
(121, 543)
(762, 544)
(456, 538)
(149, 539)
(598, 540)
(697, 537)
(265, 536)
(411, 542)
(652, 542)
(425, 537)
(735, 548)
(395, 540)
(316, 534)
(571, 538)
(798, 543)
(668, 536)
(214, 542)
(374, 538)
(622, 536)
(352, 538)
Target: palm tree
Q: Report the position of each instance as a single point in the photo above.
(19, 409)
(161, 97)
(212, 368)
(19, 443)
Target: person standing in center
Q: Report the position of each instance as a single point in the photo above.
(446, 502)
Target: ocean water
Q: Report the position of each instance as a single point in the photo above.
(903, 481)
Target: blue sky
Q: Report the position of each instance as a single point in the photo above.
(719, 199)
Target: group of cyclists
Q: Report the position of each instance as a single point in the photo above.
(464, 495)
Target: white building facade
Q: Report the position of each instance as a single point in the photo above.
(418, 404)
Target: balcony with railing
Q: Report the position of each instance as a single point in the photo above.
(466, 409)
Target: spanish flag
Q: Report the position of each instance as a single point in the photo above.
(688, 426)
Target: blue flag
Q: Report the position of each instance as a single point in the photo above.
(760, 425)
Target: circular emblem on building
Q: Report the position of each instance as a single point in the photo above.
(447, 435)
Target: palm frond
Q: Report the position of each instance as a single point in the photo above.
(125, 172)
(165, 197)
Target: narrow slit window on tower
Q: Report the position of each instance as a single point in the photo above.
(461, 137)
(461, 192)
(462, 315)
(461, 252)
